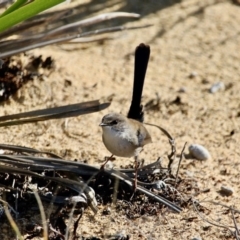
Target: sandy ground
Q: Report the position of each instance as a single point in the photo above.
(194, 44)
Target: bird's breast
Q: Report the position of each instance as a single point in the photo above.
(118, 143)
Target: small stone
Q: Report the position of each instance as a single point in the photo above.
(198, 152)
(193, 74)
(226, 191)
(216, 87)
(159, 185)
(182, 90)
(196, 238)
(106, 211)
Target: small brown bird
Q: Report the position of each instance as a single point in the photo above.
(122, 136)
(126, 136)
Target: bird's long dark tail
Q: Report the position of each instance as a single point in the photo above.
(142, 54)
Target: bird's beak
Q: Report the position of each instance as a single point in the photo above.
(102, 124)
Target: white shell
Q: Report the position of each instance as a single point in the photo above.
(199, 152)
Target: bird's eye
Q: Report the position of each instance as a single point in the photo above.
(114, 122)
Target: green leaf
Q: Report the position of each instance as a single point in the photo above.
(26, 12)
(14, 7)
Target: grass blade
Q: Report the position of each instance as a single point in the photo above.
(26, 12)
(71, 110)
(14, 7)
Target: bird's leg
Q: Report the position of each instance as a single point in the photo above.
(106, 161)
(135, 179)
(136, 173)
